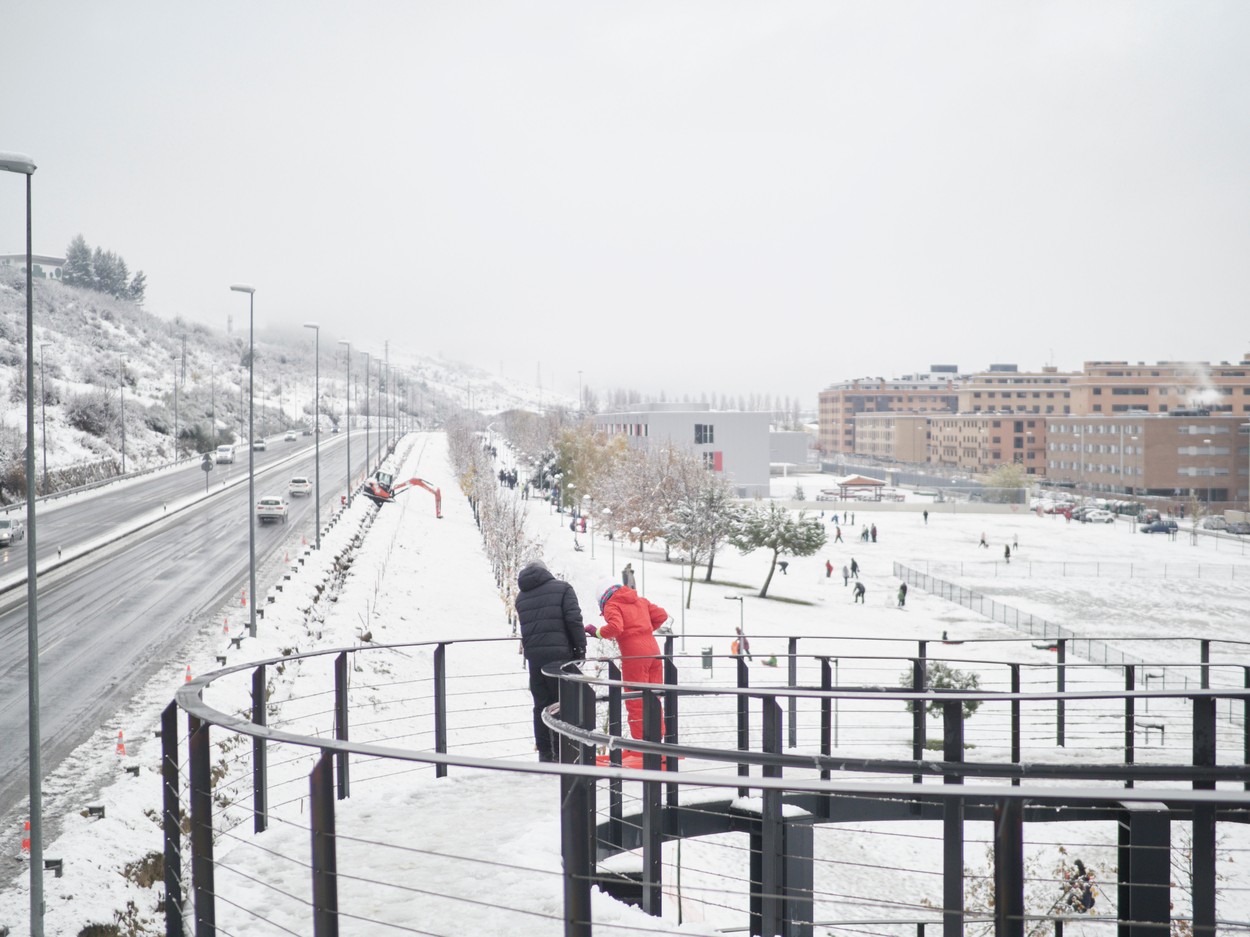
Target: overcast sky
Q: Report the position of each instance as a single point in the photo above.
(680, 196)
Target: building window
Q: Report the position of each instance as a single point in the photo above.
(712, 461)
(704, 434)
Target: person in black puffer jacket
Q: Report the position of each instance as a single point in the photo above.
(551, 630)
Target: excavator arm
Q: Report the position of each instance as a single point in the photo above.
(382, 489)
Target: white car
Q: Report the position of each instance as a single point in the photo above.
(1099, 516)
(258, 445)
(10, 529)
(225, 454)
(290, 436)
(271, 508)
(299, 485)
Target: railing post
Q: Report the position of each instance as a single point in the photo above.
(260, 752)
(1205, 670)
(1009, 868)
(772, 838)
(340, 719)
(171, 821)
(1203, 836)
(1245, 721)
(744, 719)
(324, 852)
(440, 707)
(1061, 667)
(826, 732)
(652, 812)
(919, 683)
(1130, 723)
(616, 797)
(1143, 898)
(577, 811)
(1015, 721)
(792, 680)
(671, 698)
(953, 824)
(202, 827)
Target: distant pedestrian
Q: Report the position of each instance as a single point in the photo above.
(902, 595)
(740, 646)
(984, 543)
(926, 516)
(863, 535)
(783, 566)
(828, 569)
(582, 523)
(1007, 552)
(834, 519)
(627, 576)
(860, 591)
(874, 533)
(837, 535)
(1015, 542)
(852, 518)
(846, 575)
(854, 569)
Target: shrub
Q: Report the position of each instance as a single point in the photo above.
(939, 676)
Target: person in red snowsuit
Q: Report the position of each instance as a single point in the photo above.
(631, 621)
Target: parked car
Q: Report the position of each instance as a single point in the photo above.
(1098, 516)
(258, 445)
(1215, 522)
(1158, 527)
(1241, 528)
(299, 485)
(225, 454)
(10, 529)
(271, 508)
(290, 436)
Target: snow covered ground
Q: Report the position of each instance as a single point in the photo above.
(493, 838)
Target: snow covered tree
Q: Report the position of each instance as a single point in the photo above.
(77, 271)
(775, 529)
(137, 288)
(698, 525)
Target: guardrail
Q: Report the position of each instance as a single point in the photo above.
(777, 759)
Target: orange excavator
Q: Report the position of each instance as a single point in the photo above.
(382, 489)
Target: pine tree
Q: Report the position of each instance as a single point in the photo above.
(77, 270)
(774, 528)
(137, 289)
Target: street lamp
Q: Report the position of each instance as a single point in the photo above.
(317, 423)
(586, 511)
(43, 416)
(366, 354)
(607, 513)
(24, 165)
(121, 403)
(348, 416)
(175, 409)
(251, 459)
(637, 532)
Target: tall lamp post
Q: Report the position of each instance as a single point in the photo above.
(317, 423)
(348, 411)
(590, 521)
(121, 402)
(366, 354)
(607, 514)
(251, 460)
(43, 417)
(24, 165)
(176, 410)
(637, 532)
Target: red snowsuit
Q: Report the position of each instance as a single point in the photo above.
(631, 621)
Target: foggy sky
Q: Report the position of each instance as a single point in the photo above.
(680, 196)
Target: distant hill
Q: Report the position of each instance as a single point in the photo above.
(105, 358)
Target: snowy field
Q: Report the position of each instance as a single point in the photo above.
(408, 840)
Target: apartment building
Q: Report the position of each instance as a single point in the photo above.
(1004, 388)
(1112, 387)
(840, 404)
(977, 443)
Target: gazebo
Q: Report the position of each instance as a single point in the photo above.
(851, 485)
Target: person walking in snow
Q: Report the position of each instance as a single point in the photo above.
(627, 576)
(631, 621)
(902, 595)
(828, 569)
(1007, 552)
(783, 565)
(854, 569)
(551, 632)
(837, 535)
(846, 575)
(926, 515)
(873, 530)
(984, 543)
(860, 591)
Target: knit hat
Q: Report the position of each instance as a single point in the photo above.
(604, 591)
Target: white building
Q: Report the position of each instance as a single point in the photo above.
(730, 442)
(44, 266)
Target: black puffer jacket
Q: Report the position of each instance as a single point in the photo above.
(551, 619)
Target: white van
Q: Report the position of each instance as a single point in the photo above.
(225, 454)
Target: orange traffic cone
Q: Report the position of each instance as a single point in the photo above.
(121, 745)
(26, 839)
(225, 626)
(303, 541)
(188, 680)
(286, 557)
(243, 599)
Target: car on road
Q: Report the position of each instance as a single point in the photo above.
(1098, 516)
(290, 436)
(307, 431)
(258, 445)
(10, 529)
(271, 508)
(225, 454)
(299, 485)
(1240, 528)
(1159, 527)
(1215, 522)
